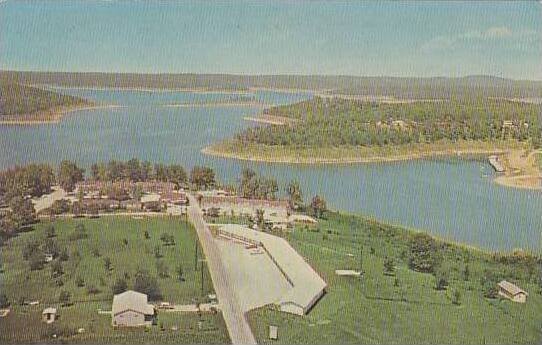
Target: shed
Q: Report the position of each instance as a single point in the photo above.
(273, 332)
(49, 315)
(512, 292)
(131, 309)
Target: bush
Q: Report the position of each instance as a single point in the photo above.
(79, 282)
(147, 284)
(119, 286)
(64, 297)
(162, 269)
(56, 269)
(4, 302)
(422, 252)
(64, 256)
(456, 297)
(36, 261)
(389, 266)
(92, 289)
(50, 231)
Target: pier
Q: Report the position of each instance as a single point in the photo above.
(496, 164)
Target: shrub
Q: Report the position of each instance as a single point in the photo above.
(50, 231)
(64, 297)
(147, 284)
(422, 252)
(389, 266)
(456, 297)
(56, 269)
(4, 302)
(119, 286)
(80, 282)
(92, 289)
(36, 261)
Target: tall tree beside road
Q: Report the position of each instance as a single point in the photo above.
(69, 174)
(202, 177)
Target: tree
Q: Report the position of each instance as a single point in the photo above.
(389, 266)
(202, 177)
(4, 301)
(30, 248)
(180, 273)
(79, 233)
(107, 263)
(466, 273)
(119, 286)
(318, 206)
(69, 174)
(422, 252)
(64, 298)
(441, 279)
(60, 207)
(137, 192)
(22, 211)
(51, 247)
(295, 196)
(79, 282)
(56, 269)
(456, 297)
(177, 175)
(146, 234)
(157, 252)
(36, 261)
(147, 284)
(260, 220)
(63, 256)
(77, 208)
(50, 231)
(161, 269)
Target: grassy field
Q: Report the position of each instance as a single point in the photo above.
(354, 154)
(123, 241)
(404, 308)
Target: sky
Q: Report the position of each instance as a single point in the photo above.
(416, 38)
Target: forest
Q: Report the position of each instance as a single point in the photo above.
(17, 99)
(338, 122)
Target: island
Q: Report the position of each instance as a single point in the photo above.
(335, 129)
(23, 104)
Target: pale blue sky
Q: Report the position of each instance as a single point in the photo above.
(420, 38)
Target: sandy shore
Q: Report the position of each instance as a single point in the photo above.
(52, 115)
(270, 120)
(300, 159)
(522, 170)
(218, 104)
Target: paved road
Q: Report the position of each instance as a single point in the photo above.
(236, 322)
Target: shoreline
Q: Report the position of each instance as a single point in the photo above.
(54, 115)
(143, 89)
(270, 119)
(211, 151)
(218, 104)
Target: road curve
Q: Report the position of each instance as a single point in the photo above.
(236, 322)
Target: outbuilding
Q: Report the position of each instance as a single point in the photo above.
(49, 315)
(131, 309)
(512, 292)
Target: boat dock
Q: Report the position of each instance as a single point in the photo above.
(496, 164)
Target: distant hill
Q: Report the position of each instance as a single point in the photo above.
(415, 88)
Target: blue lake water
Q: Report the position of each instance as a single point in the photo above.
(451, 198)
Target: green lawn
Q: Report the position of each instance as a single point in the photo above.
(373, 310)
(107, 235)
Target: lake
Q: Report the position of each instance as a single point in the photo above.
(451, 198)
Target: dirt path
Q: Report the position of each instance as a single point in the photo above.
(236, 322)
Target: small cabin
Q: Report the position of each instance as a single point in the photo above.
(512, 292)
(49, 315)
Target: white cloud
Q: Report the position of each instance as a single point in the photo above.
(494, 33)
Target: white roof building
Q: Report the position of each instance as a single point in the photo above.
(306, 285)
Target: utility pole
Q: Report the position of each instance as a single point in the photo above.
(361, 259)
(196, 256)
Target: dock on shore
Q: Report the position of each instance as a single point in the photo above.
(496, 164)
